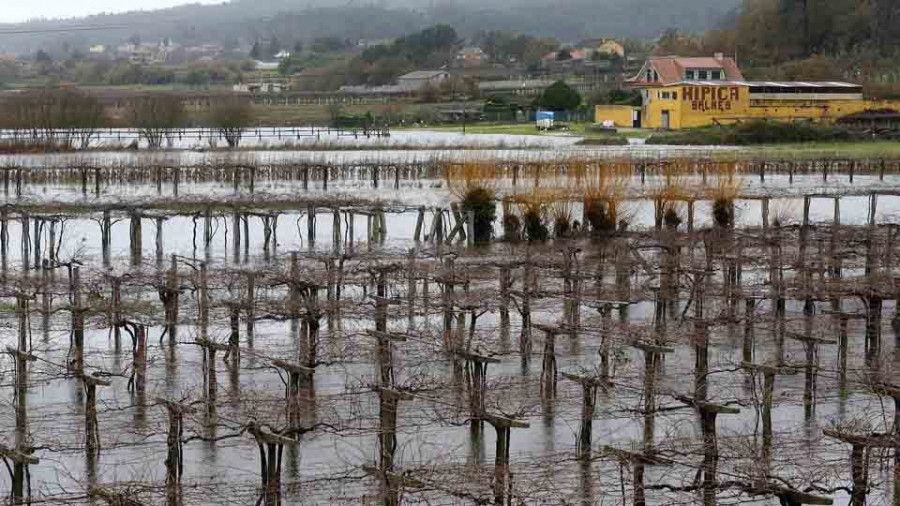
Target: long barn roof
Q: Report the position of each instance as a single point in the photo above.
(771, 84)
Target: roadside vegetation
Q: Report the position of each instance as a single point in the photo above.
(753, 133)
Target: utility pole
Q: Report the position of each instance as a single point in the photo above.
(454, 96)
(464, 116)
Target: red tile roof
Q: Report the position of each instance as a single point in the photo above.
(671, 69)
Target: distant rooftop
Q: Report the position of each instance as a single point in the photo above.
(774, 84)
(265, 65)
(515, 84)
(423, 74)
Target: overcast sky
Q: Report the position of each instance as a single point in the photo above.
(20, 10)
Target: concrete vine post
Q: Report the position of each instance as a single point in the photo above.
(708, 414)
(299, 377)
(589, 386)
(388, 403)
(502, 480)
(174, 449)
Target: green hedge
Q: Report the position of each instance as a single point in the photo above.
(609, 140)
(751, 133)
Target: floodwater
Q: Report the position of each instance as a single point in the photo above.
(305, 138)
(329, 465)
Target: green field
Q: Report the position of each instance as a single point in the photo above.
(482, 128)
(575, 129)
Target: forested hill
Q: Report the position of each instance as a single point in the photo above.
(246, 20)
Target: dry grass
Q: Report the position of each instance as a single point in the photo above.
(667, 197)
(783, 212)
(462, 178)
(724, 189)
(536, 208)
(725, 186)
(603, 194)
(33, 147)
(562, 213)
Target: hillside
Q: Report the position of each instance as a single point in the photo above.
(241, 21)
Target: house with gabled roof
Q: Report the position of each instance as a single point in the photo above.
(681, 92)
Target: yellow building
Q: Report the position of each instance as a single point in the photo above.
(610, 47)
(693, 92)
(622, 116)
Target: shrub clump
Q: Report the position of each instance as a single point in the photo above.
(36, 146)
(534, 227)
(723, 213)
(562, 227)
(512, 228)
(599, 216)
(672, 219)
(481, 202)
(606, 140)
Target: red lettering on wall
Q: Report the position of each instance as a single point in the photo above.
(711, 98)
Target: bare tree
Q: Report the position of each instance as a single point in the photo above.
(156, 116)
(231, 117)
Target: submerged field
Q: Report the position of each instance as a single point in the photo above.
(640, 327)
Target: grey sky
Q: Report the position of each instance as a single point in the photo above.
(21, 10)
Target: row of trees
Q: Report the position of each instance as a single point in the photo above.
(379, 65)
(74, 118)
(65, 116)
(856, 38)
(262, 50)
(120, 73)
(506, 46)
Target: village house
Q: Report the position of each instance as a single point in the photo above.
(587, 51)
(271, 85)
(604, 46)
(145, 54)
(471, 56)
(203, 51)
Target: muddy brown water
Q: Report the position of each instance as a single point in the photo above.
(332, 465)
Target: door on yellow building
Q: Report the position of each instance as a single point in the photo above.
(665, 121)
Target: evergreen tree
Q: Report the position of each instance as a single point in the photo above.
(560, 97)
(274, 47)
(885, 22)
(256, 51)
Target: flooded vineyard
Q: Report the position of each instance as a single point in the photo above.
(358, 329)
